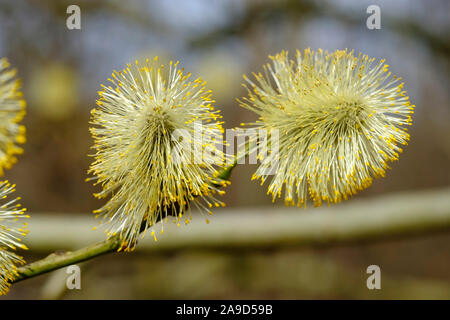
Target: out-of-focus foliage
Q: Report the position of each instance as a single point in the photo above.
(54, 90)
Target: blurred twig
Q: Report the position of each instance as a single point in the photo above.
(360, 220)
(55, 286)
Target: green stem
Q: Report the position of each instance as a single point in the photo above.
(57, 261)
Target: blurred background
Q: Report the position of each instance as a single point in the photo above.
(220, 40)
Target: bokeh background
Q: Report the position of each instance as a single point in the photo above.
(220, 40)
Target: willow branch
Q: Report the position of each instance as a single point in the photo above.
(59, 260)
(56, 260)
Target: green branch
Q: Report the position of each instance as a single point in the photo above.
(56, 261)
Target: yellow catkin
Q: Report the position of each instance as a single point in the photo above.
(341, 118)
(12, 110)
(156, 148)
(12, 229)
